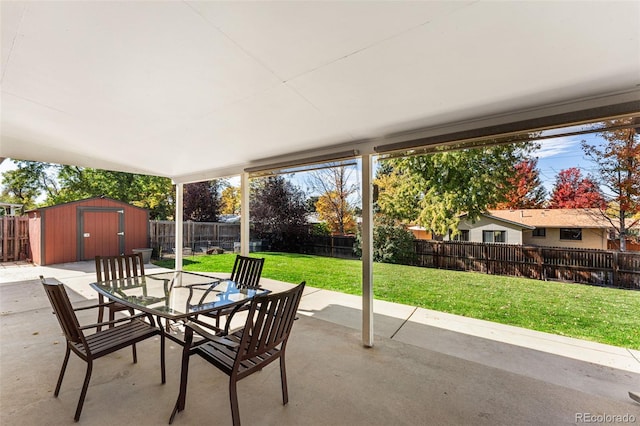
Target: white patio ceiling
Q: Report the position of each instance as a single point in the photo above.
(194, 90)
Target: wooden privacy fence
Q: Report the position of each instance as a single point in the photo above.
(333, 246)
(14, 235)
(599, 267)
(197, 236)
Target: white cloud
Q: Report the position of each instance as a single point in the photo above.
(557, 146)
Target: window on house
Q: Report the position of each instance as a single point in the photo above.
(462, 236)
(540, 232)
(494, 236)
(573, 234)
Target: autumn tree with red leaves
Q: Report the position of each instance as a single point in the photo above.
(618, 162)
(524, 188)
(572, 191)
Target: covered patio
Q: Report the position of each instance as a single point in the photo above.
(426, 368)
(194, 91)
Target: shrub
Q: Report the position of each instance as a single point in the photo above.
(391, 244)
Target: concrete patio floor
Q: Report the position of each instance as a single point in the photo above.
(426, 368)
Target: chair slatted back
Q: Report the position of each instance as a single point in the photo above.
(269, 322)
(116, 267)
(246, 271)
(63, 310)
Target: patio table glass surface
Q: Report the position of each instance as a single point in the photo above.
(176, 295)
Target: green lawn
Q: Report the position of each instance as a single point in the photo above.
(599, 314)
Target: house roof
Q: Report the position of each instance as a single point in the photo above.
(504, 220)
(195, 90)
(554, 218)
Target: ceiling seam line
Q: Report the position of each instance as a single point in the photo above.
(240, 46)
(13, 43)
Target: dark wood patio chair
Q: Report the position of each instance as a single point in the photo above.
(117, 267)
(246, 273)
(262, 340)
(90, 347)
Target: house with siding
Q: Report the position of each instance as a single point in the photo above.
(490, 229)
(575, 228)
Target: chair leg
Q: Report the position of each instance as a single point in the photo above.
(163, 373)
(135, 354)
(233, 396)
(283, 379)
(184, 375)
(100, 311)
(62, 370)
(112, 317)
(85, 386)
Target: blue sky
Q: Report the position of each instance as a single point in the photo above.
(562, 153)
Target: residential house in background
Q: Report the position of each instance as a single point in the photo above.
(490, 229)
(577, 228)
(10, 209)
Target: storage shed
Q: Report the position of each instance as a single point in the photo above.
(80, 230)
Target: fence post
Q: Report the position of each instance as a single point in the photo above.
(615, 266)
(5, 238)
(485, 254)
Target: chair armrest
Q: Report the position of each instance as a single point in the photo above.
(100, 324)
(236, 309)
(82, 308)
(209, 336)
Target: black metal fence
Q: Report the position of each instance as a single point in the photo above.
(197, 236)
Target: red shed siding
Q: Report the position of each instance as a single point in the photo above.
(58, 231)
(34, 238)
(136, 229)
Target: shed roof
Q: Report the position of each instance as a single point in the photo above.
(86, 200)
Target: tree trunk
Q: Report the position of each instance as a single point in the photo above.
(623, 232)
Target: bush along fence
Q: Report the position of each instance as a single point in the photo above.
(14, 238)
(596, 267)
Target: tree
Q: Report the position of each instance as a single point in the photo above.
(524, 189)
(334, 210)
(278, 212)
(230, 200)
(434, 189)
(618, 164)
(61, 184)
(201, 202)
(27, 182)
(572, 191)
(149, 192)
(335, 203)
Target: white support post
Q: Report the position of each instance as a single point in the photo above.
(367, 251)
(244, 214)
(179, 227)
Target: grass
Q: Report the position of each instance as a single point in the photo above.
(599, 314)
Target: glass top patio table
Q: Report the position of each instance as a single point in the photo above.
(176, 295)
